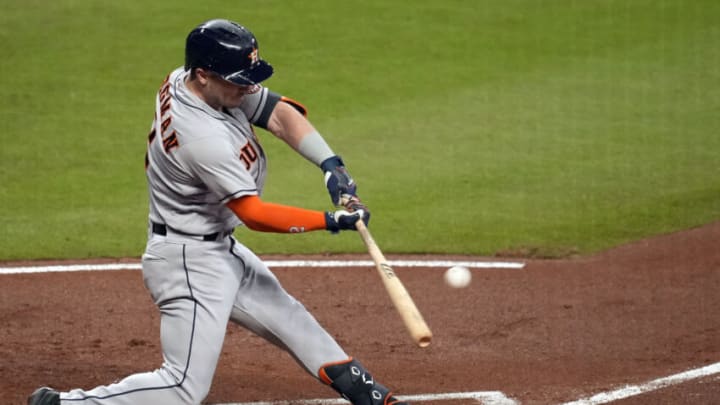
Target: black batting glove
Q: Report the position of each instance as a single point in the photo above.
(352, 203)
(345, 220)
(337, 179)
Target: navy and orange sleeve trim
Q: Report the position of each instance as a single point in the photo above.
(296, 105)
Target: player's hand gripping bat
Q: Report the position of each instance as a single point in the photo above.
(400, 297)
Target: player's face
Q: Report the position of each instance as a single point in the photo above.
(219, 93)
(229, 94)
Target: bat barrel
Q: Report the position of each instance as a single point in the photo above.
(399, 295)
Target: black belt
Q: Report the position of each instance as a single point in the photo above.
(161, 229)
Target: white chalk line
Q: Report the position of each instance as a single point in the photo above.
(632, 390)
(499, 398)
(274, 263)
(483, 397)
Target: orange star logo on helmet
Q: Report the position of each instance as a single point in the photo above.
(253, 56)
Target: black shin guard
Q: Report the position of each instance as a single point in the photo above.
(351, 380)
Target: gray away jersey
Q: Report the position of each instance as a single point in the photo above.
(199, 158)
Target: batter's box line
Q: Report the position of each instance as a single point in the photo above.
(654, 385)
(483, 397)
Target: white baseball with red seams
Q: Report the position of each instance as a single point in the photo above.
(457, 277)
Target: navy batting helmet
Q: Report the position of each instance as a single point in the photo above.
(228, 49)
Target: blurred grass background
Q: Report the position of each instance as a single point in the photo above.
(473, 127)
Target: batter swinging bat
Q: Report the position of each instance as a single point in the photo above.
(400, 297)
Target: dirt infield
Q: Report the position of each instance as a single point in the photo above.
(555, 331)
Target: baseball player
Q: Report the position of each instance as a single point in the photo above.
(206, 170)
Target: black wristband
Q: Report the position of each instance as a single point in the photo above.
(330, 223)
(330, 163)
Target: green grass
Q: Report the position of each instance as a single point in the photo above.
(471, 127)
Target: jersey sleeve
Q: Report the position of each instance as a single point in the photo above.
(213, 162)
(258, 104)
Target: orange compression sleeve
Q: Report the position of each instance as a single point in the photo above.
(268, 217)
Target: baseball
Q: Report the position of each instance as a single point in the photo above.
(457, 277)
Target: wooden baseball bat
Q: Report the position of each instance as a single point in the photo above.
(400, 297)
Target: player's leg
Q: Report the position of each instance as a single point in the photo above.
(265, 308)
(351, 380)
(168, 384)
(194, 287)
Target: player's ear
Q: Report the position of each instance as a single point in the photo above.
(201, 75)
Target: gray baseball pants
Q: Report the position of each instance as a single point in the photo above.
(198, 286)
